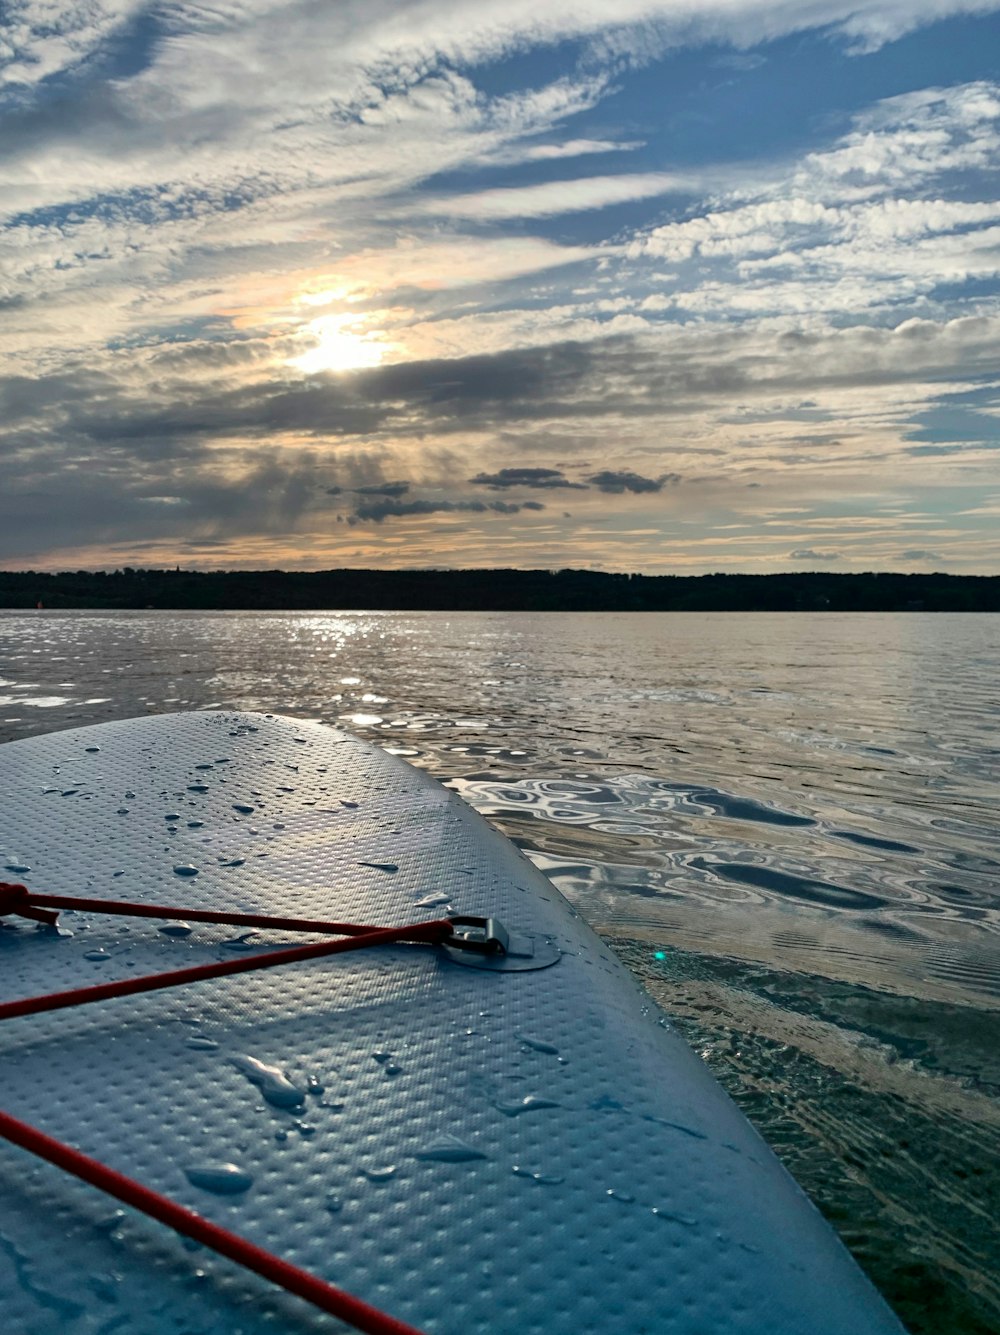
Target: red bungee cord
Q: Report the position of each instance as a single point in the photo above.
(18, 899)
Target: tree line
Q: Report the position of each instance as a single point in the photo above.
(497, 590)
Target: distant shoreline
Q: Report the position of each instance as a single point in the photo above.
(498, 590)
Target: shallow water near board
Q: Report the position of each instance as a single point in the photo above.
(784, 824)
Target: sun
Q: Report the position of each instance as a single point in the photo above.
(339, 345)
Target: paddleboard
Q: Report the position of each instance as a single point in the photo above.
(470, 1142)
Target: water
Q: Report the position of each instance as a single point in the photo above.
(447, 1148)
(785, 826)
(225, 1179)
(272, 1082)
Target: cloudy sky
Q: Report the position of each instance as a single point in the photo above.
(660, 285)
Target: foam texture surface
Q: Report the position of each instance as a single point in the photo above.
(529, 1152)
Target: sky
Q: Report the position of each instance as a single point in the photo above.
(672, 286)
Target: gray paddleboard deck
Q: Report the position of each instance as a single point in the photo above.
(532, 1150)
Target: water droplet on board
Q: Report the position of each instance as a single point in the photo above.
(207, 764)
(197, 788)
(272, 1082)
(530, 1103)
(429, 901)
(92, 749)
(231, 862)
(195, 824)
(19, 867)
(98, 956)
(172, 816)
(243, 808)
(246, 941)
(315, 1086)
(449, 1149)
(225, 1179)
(175, 929)
(333, 1205)
(542, 1179)
(538, 1044)
(381, 1056)
(380, 866)
(305, 1129)
(671, 1218)
(281, 1135)
(185, 869)
(621, 1196)
(122, 811)
(379, 1174)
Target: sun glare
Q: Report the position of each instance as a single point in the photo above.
(339, 346)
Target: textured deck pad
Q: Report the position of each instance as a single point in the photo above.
(470, 1151)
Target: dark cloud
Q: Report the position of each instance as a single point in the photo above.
(437, 396)
(525, 477)
(83, 450)
(807, 554)
(506, 393)
(394, 489)
(915, 554)
(107, 499)
(375, 512)
(624, 479)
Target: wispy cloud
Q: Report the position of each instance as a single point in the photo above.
(555, 197)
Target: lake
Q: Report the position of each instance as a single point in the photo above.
(786, 825)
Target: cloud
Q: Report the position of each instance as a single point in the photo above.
(393, 489)
(393, 45)
(376, 511)
(915, 554)
(616, 482)
(807, 554)
(866, 225)
(555, 197)
(574, 148)
(525, 477)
